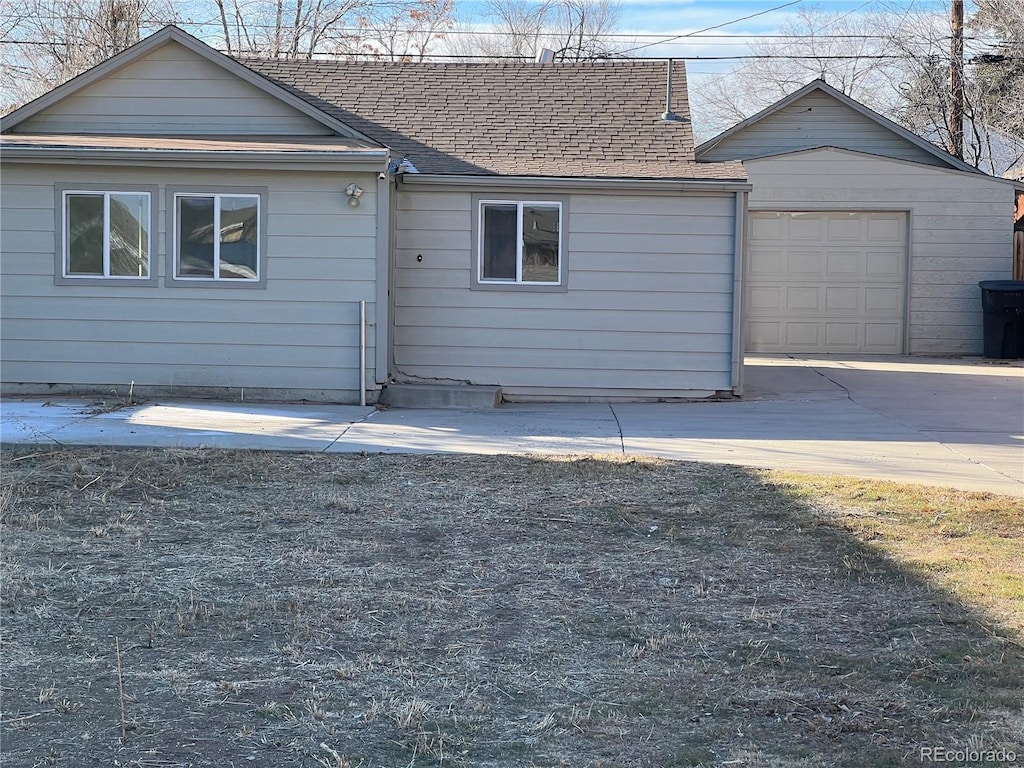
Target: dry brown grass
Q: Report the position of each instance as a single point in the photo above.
(311, 610)
(971, 544)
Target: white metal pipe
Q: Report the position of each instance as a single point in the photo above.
(362, 353)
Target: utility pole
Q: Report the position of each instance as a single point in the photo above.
(956, 81)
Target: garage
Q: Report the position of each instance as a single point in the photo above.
(827, 281)
(864, 238)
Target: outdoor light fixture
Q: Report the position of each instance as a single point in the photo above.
(354, 192)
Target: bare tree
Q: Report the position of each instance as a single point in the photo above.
(58, 39)
(993, 80)
(405, 31)
(897, 62)
(582, 28)
(294, 29)
(843, 50)
(574, 29)
(997, 77)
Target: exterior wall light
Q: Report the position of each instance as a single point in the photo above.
(354, 192)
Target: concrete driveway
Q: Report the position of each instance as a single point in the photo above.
(956, 423)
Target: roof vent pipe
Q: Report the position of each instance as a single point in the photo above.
(545, 56)
(668, 115)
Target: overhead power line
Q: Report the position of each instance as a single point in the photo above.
(618, 57)
(659, 37)
(709, 29)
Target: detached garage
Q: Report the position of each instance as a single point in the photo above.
(863, 238)
(830, 281)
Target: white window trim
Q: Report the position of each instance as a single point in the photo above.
(520, 204)
(66, 272)
(216, 278)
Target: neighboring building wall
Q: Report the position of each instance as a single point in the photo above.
(647, 313)
(960, 230)
(816, 120)
(173, 91)
(298, 337)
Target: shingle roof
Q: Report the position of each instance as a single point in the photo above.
(590, 119)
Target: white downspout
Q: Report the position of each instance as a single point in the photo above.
(738, 320)
(362, 353)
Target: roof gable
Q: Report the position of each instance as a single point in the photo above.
(171, 83)
(597, 119)
(818, 115)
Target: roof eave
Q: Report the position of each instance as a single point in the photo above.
(371, 160)
(576, 182)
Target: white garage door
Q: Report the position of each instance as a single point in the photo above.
(826, 282)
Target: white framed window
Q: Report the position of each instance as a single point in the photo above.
(519, 242)
(106, 234)
(218, 236)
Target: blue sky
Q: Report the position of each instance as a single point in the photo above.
(730, 17)
(643, 22)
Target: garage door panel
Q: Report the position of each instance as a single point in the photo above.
(843, 300)
(803, 263)
(767, 262)
(844, 228)
(803, 228)
(884, 264)
(842, 336)
(880, 337)
(803, 298)
(766, 229)
(827, 282)
(766, 298)
(766, 333)
(802, 335)
(844, 264)
(886, 228)
(883, 300)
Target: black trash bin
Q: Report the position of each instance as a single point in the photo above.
(1002, 302)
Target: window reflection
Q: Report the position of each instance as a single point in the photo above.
(218, 237)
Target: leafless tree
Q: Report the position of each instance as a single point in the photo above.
(842, 49)
(993, 78)
(581, 28)
(574, 29)
(897, 62)
(58, 39)
(997, 79)
(294, 29)
(405, 31)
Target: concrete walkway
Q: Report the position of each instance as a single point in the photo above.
(956, 423)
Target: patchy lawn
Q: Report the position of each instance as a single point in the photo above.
(210, 608)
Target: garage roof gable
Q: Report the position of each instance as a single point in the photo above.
(819, 115)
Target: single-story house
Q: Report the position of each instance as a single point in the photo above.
(863, 237)
(183, 222)
(197, 224)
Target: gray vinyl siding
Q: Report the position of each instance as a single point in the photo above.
(647, 313)
(172, 91)
(816, 120)
(960, 230)
(297, 337)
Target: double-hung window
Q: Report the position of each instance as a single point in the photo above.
(106, 234)
(520, 243)
(217, 236)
